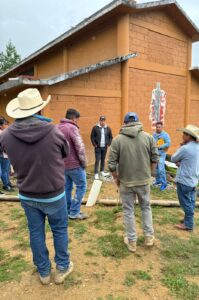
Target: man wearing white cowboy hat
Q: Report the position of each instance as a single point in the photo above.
(187, 158)
(36, 149)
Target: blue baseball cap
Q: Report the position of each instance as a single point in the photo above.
(131, 117)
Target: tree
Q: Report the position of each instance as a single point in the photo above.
(9, 58)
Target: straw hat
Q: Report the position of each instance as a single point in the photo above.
(191, 130)
(27, 103)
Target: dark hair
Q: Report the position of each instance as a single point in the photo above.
(72, 113)
(159, 123)
(3, 121)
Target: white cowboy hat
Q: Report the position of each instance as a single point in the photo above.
(191, 130)
(27, 103)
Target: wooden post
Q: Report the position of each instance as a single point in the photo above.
(35, 71)
(123, 27)
(188, 84)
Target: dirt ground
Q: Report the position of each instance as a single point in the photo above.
(96, 276)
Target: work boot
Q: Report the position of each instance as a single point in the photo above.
(60, 276)
(131, 245)
(45, 280)
(8, 188)
(149, 240)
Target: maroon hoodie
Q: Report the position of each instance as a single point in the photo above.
(36, 150)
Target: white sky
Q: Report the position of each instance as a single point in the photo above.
(30, 24)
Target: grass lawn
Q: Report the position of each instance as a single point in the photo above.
(104, 269)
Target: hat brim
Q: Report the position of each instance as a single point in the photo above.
(189, 132)
(13, 110)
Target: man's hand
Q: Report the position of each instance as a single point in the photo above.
(116, 179)
(154, 169)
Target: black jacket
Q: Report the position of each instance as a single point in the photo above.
(96, 136)
(36, 150)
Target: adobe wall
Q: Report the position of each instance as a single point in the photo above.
(163, 53)
(194, 105)
(93, 94)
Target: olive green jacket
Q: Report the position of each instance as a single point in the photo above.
(131, 154)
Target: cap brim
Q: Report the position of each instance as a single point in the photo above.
(13, 110)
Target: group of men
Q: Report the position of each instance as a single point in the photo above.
(48, 160)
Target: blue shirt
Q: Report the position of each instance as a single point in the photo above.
(162, 141)
(188, 157)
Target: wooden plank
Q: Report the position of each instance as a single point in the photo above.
(94, 193)
(158, 29)
(155, 67)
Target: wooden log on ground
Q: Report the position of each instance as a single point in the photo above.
(163, 203)
(9, 198)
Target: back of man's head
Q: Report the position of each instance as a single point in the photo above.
(131, 117)
(72, 114)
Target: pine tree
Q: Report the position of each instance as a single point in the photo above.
(9, 58)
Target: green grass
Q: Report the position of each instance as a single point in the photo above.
(164, 216)
(142, 275)
(79, 229)
(90, 253)
(11, 267)
(112, 245)
(16, 214)
(181, 261)
(165, 195)
(3, 225)
(22, 241)
(129, 279)
(71, 281)
(106, 219)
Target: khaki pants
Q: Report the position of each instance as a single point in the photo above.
(128, 196)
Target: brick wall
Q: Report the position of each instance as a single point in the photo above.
(162, 45)
(103, 83)
(194, 105)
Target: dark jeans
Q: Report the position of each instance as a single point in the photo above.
(187, 198)
(5, 171)
(78, 177)
(56, 213)
(100, 156)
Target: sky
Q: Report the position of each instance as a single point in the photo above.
(30, 24)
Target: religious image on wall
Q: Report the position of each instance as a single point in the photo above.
(158, 105)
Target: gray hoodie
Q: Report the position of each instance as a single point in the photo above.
(132, 152)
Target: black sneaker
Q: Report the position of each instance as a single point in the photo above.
(8, 188)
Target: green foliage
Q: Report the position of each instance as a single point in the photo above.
(112, 245)
(71, 281)
(9, 58)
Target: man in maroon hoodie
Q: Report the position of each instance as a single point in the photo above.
(75, 164)
(36, 150)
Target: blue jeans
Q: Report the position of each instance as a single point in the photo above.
(5, 171)
(187, 198)
(161, 177)
(56, 213)
(78, 177)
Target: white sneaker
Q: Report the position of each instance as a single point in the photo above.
(60, 276)
(45, 280)
(131, 245)
(149, 240)
(104, 174)
(96, 177)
